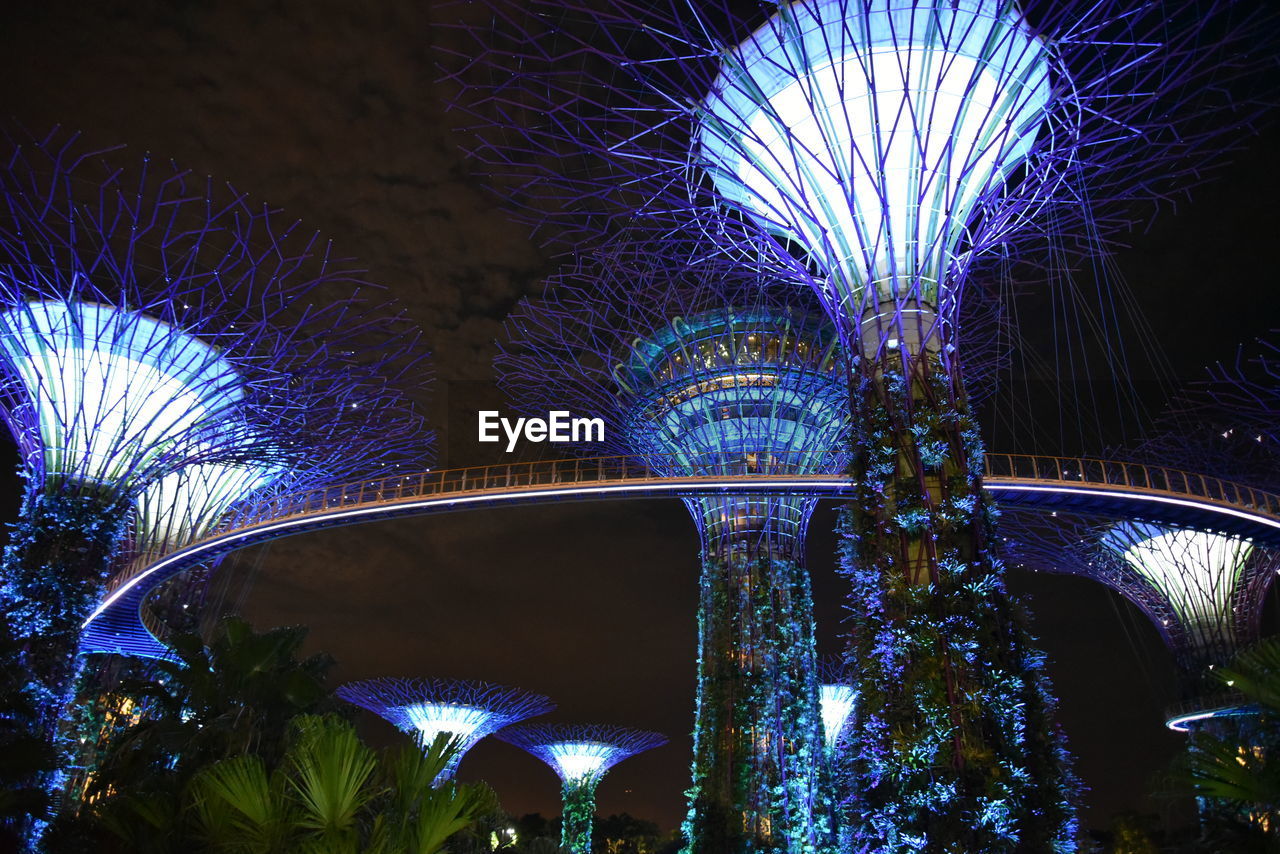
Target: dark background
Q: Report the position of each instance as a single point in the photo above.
(329, 109)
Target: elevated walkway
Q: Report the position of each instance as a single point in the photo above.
(1108, 489)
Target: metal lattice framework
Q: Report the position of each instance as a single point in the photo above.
(170, 344)
(812, 118)
(467, 710)
(129, 291)
(582, 753)
(580, 756)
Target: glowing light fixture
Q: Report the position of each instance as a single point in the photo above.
(1197, 571)
(584, 760)
(425, 708)
(837, 703)
(869, 130)
(113, 390)
(180, 507)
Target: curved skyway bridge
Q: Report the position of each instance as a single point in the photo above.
(1106, 488)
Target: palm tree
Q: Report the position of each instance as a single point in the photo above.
(333, 795)
(233, 697)
(1240, 776)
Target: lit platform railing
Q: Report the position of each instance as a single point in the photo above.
(1106, 488)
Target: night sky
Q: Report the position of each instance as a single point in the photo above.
(329, 109)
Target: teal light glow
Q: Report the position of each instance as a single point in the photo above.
(870, 130)
(738, 390)
(113, 389)
(460, 722)
(1197, 572)
(837, 702)
(180, 507)
(583, 761)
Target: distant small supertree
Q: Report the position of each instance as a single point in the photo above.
(466, 710)
(1203, 590)
(151, 321)
(580, 755)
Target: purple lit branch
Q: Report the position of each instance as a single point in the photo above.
(591, 115)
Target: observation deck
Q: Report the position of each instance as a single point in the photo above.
(1108, 489)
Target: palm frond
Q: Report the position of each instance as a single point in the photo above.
(330, 771)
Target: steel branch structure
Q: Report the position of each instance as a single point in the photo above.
(700, 367)
(580, 756)
(151, 323)
(466, 710)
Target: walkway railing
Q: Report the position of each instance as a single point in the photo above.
(772, 475)
(1063, 470)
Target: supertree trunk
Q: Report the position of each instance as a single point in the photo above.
(952, 746)
(54, 570)
(758, 737)
(578, 811)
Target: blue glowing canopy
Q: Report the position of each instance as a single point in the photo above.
(871, 132)
(103, 392)
(738, 387)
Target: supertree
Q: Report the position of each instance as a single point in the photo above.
(1203, 590)
(424, 708)
(154, 321)
(884, 151)
(581, 756)
(699, 367)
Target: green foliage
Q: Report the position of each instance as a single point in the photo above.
(952, 744)
(758, 745)
(24, 756)
(579, 801)
(333, 795)
(624, 834)
(234, 697)
(53, 573)
(1131, 834)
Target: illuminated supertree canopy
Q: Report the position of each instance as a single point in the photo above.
(1203, 591)
(838, 701)
(154, 322)
(580, 756)
(700, 367)
(424, 708)
(885, 149)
